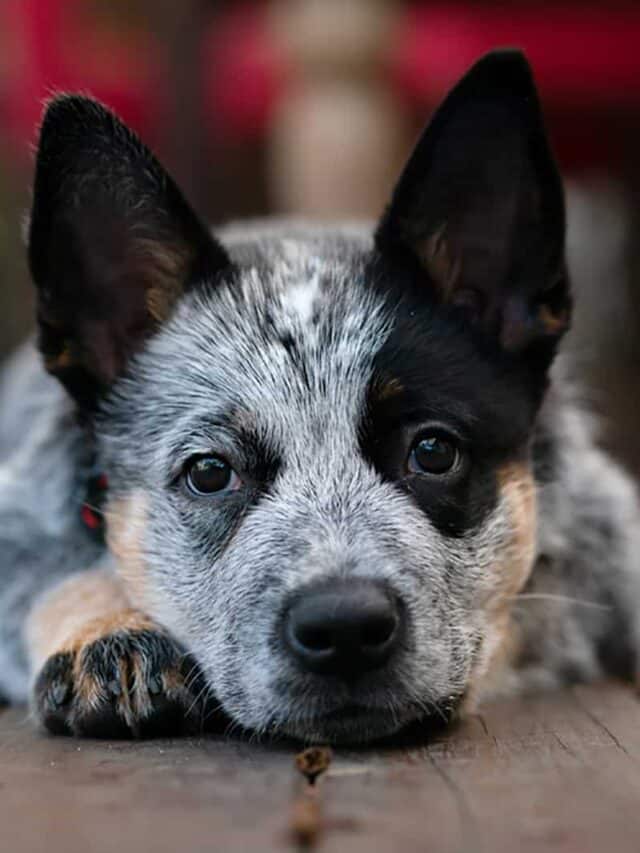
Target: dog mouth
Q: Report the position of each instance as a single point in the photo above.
(350, 724)
(355, 723)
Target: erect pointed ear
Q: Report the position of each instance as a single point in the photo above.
(112, 244)
(479, 209)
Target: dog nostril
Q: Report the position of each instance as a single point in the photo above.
(379, 631)
(314, 639)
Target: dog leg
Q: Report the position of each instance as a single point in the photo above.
(104, 669)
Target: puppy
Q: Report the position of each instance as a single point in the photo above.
(316, 479)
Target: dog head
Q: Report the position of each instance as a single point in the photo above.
(317, 441)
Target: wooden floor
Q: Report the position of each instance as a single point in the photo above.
(558, 773)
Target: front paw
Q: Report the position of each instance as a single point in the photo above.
(125, 677)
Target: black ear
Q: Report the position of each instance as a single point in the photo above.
(112, 244)
(479, 208)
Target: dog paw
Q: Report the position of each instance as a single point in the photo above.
(127, 678)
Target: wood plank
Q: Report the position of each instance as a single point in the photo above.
(559, 772)
(546, 776)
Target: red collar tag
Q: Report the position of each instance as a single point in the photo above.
(91, 510)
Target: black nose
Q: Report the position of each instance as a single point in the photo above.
(343, 628)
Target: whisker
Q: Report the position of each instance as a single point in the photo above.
(93, 508)
(196, 701)
(191, 676)
(543, 596)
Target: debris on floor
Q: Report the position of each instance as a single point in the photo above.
(306, 814)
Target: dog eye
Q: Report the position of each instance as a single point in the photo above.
(433, 454)
(208, 475)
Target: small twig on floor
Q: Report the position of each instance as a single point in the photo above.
(306, 813)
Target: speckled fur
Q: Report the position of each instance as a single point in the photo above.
(218, 581)
(314, 361)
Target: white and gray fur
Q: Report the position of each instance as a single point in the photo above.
(272, 348)
(328, 514)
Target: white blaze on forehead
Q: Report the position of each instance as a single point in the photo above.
(229, 349)
(300, 297)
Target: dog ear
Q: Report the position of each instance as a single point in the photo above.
(112, 244)
(479, 207)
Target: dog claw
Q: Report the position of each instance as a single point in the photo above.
(114, 687)
(154, 685)
(59, 693)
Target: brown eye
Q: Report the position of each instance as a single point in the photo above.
(209, 475)
(433, 454)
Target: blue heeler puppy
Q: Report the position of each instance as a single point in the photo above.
(343, 493)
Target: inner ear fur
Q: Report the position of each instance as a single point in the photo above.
(479, 207)
(112, 244)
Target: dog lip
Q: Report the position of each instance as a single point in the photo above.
(340, 727)
(354, 722)
(348, 711)
(350, 723)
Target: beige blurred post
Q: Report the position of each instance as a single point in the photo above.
(338, 136)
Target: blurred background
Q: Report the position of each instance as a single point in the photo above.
(309, 107)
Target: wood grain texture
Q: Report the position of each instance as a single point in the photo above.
(559, 772)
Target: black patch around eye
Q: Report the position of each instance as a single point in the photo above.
(454, 503)
(455, 508)
(430, 371)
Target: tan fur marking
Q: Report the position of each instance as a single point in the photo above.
(159, 304)
(126, 522)
(388, 388)
(87, 687)
(172, 681)
(518, 491)
(438, 260)
(81, 611)
(61, 360)
(123, 620)
(69, 614)
(165, 266)
(553, 323)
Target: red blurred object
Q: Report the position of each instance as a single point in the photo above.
(586, 60)
(585, 57)
(63, 45)
(244, 73)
